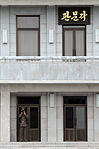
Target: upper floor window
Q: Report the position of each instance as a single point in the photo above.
(74, 41)
(28, 35)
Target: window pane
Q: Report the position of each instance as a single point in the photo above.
(27, 43)
(27, 22)
(80, 43)
(34, 117)
(68, 43)
(80, 115)
(75, 99)
(69, 117)
(29, 100)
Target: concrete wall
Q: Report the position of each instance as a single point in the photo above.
(0, 115)
(13, 118)
(95, 26)
(44, 118)
(48, 14)
(47, 69)
(90, 117)
(68, 145)
(51, 69)
(48, 20)
(13, 11)
(48, 121)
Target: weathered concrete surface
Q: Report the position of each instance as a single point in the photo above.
(49, 69)
(50, 145)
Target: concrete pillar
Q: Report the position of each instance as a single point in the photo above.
(51, 25)
(96, 120)
(51, 119)
(0, 112)
(4, 26)
(5, 114)
(44, 119)
(90, 117)
(59, 118)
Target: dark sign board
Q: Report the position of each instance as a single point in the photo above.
(74, 15)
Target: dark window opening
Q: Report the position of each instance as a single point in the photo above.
(69, 117)
(28, 100)
(34, 113)
(74, 100)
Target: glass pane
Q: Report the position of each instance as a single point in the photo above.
(75, 99)
(28, 100)
(80, 117)
(27, 43)
(69, 117)
(80, 43)
(34, 117)
(68, 43)
(27, 22)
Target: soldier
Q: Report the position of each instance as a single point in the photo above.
(23, 123)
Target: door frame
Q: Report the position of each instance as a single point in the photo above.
(30, 105)
(74, 107)
(72, 28)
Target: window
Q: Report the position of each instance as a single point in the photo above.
(28, 35)
(31, 130)
(75, 123)
(74, 41)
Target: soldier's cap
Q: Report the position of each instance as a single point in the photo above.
(22, 109)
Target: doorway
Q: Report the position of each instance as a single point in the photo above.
(75, 118)
(31, 106)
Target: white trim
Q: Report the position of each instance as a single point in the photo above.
(49, 58)
(49, 82)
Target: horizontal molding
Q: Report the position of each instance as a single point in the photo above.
(56, 145)
(49, 82)
(27, 58)
(48, 2)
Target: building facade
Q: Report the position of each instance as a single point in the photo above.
(49, 66)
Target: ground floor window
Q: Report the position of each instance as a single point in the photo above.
(28, 118)
(75, 118)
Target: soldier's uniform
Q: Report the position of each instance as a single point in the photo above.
(23, 122)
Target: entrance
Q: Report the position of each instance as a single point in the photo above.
(75, 120)
(74, 41)
(31, 107)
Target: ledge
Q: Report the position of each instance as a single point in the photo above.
(49, 2)
(49, 82)
(38, 58)
(39, 144)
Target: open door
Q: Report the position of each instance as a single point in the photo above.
(32, 109)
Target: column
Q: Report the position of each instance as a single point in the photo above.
(51, 118)
(96, 117)
(44, 125)
(51, 25)
(4, 26)
(5, 114)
